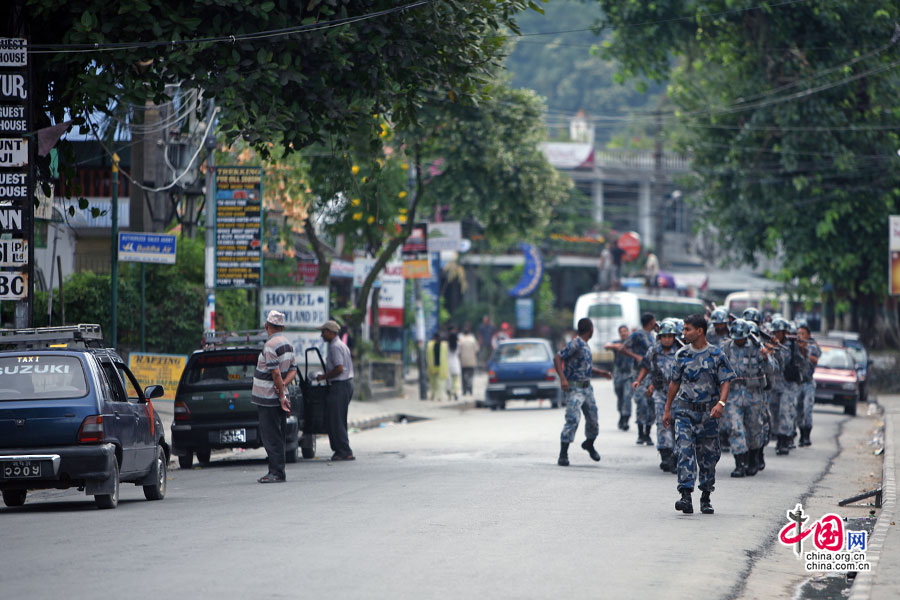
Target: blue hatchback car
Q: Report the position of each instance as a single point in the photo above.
(73, 415)
(522, 369)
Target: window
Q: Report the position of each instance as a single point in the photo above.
(522, 353)
(115, 382)
(835, 358)
(678, 309)
(221, 370)
(41, 377)
(133, 394)
(604, 311)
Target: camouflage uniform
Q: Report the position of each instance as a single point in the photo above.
(623, 375)
(746, 403)
(783, 401)
(580, 398)
(699, 374)
(807, 388)
(640, 343)
(658, 362)
(715, 339)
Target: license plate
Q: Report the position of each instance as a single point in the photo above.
(231, 436)
(521, 391)
(22, 469)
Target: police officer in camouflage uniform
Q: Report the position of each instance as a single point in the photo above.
(623, 376)
(573, 365)
(719, 320)
(811, 352)
(787, 373)
(746, 403)
(636, 346)
(658, 363)
(698, 393)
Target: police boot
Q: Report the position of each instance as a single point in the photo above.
(740, 465)
(752, 465)
(685, 505)
(804, 436)
(640, 438)
(563, 455)
(781, 449)
(664, 454)
(647, 439)
(588, 445)
(790, 441)
(673, 462)
(706, 506)
(724, 443)
(625, 422)
(761, 458)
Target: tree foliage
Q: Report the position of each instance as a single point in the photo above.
(790, 113)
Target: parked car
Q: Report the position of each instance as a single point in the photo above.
(837, 381)
(850, 341)
(73, 415)
(522, 369)
(213, 408)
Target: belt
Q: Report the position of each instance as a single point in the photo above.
(583, 384)
(696, 405)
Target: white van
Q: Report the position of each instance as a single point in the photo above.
(609, 310)
(772, 302)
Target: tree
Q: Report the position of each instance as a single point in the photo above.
(790, 113)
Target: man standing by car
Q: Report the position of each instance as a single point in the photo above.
(269, 395)
(339, 371)
(573, 365)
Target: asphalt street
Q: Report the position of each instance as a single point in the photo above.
(469, 505)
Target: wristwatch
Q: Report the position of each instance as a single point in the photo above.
(722, 403)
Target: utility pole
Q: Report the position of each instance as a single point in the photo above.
(420, 310)
(209, 313)
(114, 254)
(657, 200)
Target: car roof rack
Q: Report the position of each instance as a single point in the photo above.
(83, 335)
(248, 337)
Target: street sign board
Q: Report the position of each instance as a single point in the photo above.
(13, 286)
(147, 248)
(894, 255)
(238, 192)
(524, 313)
(13, 53)
(158, 369)
(303, 307)
(13, 253)
(13, 152)
(415, 253)
(444, 236)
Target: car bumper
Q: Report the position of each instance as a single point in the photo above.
(522, 390)
(61, 467)
(191, 436)
(829, 395)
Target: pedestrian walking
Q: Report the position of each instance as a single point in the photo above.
(468, 358)
(657, 364)
(636, 346)
(743, 418)
(698, 393)
(811, 352)
(623, 376)
(454, 366)
(485, 335)
(339, 374)
(574, 368)
(269, 394)
(438, 368)
(651, 273)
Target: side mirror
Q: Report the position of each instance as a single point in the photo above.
(153, 391)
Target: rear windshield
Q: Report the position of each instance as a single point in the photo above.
(521, 353)
(601, 311)
(835, 358)
(41, 377)
(221, 370)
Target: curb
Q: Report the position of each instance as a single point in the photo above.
(377, 420)
(862, 586)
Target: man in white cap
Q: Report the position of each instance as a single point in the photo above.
(275, 363)
(339, 373)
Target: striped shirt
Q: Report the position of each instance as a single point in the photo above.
(276, 354)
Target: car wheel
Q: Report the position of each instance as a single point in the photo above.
(203, 456)
(308, 446)
(850, 408)
(157, 491)
(186, 461)
(14, 497)
(110, 500)
(502, 406)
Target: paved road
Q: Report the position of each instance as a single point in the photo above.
(468, 505)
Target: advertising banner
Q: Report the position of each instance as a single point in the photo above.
(415, 253)
(303, 308)
(239, 256)
(390, 299)
(444, 236)
(158, 369)
(147, 248)
(894, 258)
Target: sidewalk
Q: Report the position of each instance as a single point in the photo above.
(883, 582)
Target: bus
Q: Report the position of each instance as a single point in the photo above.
(772, 302)
(609, 310)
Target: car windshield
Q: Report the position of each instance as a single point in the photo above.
(217, 370)
(836, 358)
(521, 353)
(41, 377)
(858, 354)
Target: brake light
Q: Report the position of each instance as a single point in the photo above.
(182, 412)
(91, 430)
(492, 376)
(551, 375)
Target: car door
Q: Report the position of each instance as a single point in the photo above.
(145, 420)
(124, 422)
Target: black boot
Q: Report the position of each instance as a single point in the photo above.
(588, 445)
(705, 506)
(740, 465)
(640, 438)
(724, 443)
(804, 436)
(673, 462)
(685, 505)
(563, 454)
(621, 423)
(664, 455)
(761, 458)
(752, 466)
(781, 449)
(790, 441)
(647, 439)
(625, 422)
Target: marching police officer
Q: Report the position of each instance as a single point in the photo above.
(701, 379)
(658, 363)
(636, 346)
(573, 365)
(623, 376)
(719, 320)
(811, 353)
(786, 374)
(743, 414)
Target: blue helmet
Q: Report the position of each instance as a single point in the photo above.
(667, 327)
(792, 328)
(718, 316)
(752, 314)
(780, 324)
(754, 328)
(740, 329)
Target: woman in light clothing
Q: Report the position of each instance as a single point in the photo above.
(438, 369)
(453, 363)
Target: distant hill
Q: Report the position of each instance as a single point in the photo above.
(561, 68)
